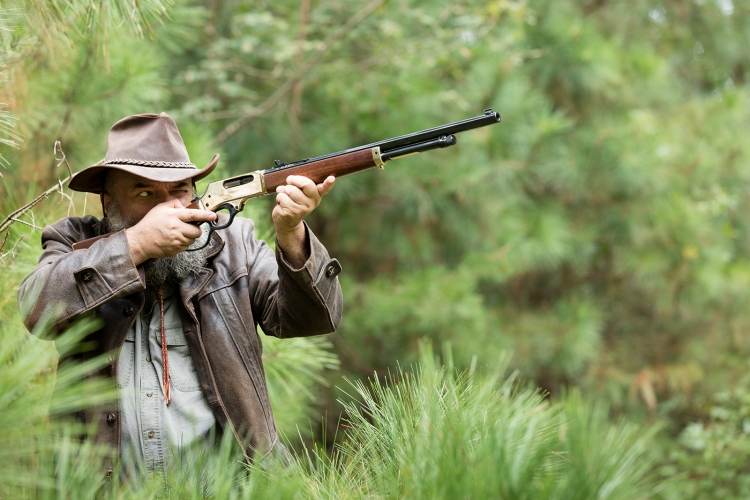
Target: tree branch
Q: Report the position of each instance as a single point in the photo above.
(16, 214)
(296, 105)
(289, 85)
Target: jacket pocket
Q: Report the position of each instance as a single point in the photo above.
(125, 363)
(181, 368)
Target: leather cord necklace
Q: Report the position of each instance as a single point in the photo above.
(164, 354)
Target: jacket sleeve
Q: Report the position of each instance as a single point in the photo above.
(296, 302)
(67, 283)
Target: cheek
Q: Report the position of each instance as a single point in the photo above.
(139, 214)
(135, 211)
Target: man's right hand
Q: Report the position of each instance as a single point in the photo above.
(164, 231)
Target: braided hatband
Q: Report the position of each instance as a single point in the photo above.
(147, 163)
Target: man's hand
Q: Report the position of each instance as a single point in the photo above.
(295, 201)
(164, 231)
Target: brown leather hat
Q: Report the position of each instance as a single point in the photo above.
(147, 145)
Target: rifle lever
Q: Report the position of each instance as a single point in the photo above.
(213, 227)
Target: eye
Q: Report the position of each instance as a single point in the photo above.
(144, 194)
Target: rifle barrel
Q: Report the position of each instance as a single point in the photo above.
(409, 143)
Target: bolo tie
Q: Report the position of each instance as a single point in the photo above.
(164, 353)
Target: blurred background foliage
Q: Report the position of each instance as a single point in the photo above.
(596, 233)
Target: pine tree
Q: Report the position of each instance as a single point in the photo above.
(598, 232)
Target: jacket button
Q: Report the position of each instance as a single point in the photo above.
(86, 276)
(330, 271)
(128, 311)
(111, 418)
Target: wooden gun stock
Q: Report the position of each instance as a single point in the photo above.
(318, 171)
(82, 245)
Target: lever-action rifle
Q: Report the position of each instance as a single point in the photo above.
(231, 194)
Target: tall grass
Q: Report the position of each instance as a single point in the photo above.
(433, 433)
(442, 433)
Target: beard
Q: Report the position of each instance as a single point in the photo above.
(161, 270)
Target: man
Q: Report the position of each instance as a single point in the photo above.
(180, 327)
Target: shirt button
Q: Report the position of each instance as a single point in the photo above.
(150, 434)
(127, 311)
(148, 358)
(149, 394)
(111, 418)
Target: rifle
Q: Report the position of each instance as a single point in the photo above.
(231, 194)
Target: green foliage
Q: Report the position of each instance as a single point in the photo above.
(443, 433)
(29, 440)
(294, 371)
(598, 233)
(709, 457)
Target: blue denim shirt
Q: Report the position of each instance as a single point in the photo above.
(153, 432)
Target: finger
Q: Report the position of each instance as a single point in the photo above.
(306, 185)
(192, 233)
(325, 187)
(178, 231)
(195, 215)
(287, 203)
(298, 196)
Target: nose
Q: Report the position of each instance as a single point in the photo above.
(173, 197)
(162, 195)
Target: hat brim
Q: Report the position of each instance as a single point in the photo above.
(91, 179)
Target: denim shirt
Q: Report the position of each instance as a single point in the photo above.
(153, 432)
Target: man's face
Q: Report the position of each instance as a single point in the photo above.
(128, 198)
(136, 195)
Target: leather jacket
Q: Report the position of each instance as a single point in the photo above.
(242, 285)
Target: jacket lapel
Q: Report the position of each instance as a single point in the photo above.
(192, 284)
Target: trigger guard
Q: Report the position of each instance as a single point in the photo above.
(212, 226)
(232, 214)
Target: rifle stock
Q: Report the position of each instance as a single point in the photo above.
(231, 194)
(318, 171)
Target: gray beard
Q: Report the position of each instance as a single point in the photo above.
(159, 271)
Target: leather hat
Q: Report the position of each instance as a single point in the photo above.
(147, 145)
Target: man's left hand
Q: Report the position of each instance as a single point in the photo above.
(295, 201)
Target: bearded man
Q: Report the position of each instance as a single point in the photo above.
(179, 326)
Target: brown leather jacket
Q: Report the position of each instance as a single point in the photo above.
(242, 286)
